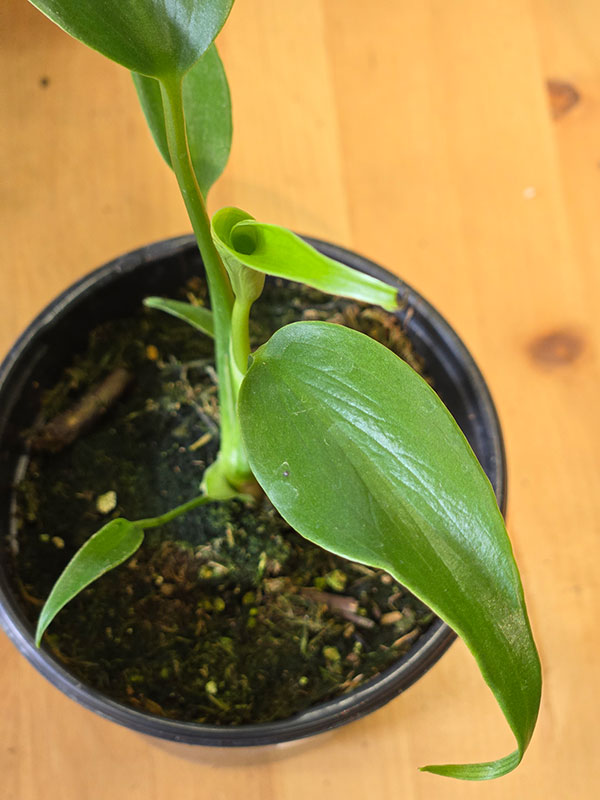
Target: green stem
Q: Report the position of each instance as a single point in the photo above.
(232, 459)
(155, 522)
(240, 334)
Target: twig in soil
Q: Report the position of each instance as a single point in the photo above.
(204, 439)
(408, 637)
(345, 606)
(63, 429)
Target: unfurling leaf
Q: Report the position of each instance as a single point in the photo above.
(240, 239)
(103, 551)
(207, 108)
(360, 456)
(196, 316)
(162, 39)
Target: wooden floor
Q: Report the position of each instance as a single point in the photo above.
(458, 143)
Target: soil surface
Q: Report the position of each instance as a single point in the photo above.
(225, 615)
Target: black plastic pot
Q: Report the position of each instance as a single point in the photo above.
(117, 289)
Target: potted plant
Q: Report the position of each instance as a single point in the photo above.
(351, 446)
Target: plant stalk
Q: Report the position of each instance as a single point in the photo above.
(240, 335)
(162, 519)
(231, 459)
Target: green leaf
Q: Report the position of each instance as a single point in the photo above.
(153, 37)
(277, 251)
(207, 108)
(150, 97)
(359, 455)
(197, 316)
(107, 548)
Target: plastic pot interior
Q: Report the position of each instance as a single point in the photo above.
(117, 289)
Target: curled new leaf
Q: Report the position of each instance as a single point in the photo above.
(153, 38)
(360, 456)
(207, 108)
(270, 249)
(103, 551)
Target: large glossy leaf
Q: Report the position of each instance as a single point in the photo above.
(153, 37)
(103, 551)
(240, 239)
(207, 107)
(359, 455)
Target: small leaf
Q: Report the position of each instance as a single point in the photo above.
(153, 38)
(197, 316)
(207, 108)
(150, 97)
(360, 456)
(277, 251)
(107, 548)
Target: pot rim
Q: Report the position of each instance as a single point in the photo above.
(327, 715)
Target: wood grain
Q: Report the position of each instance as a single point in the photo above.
(421, 133)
